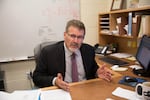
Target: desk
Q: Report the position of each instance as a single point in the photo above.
(97, 89)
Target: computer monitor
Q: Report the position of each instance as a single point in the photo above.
(143, 56)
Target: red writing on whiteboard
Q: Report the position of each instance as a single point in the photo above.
(61, 11)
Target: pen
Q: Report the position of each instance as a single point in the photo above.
(39, 98)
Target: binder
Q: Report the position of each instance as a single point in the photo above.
(136, 26)
(146, 29)
(144, 26)
(130, 23)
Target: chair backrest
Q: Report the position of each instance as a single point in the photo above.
(38, 48)
(37, 51)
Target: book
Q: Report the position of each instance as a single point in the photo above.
(141, 27)
(130, 23)
(144, 3)
(136, 25)
(144, 26)
(146, 29)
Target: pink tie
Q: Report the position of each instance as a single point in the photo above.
(74, 68)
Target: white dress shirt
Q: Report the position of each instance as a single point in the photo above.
(68, 73)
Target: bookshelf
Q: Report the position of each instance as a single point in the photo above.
(104, 22)
(111, 28)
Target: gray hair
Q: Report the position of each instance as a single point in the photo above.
(75, 23)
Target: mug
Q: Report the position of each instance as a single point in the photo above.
(143, 90)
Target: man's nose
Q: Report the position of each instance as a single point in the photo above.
(76, 39)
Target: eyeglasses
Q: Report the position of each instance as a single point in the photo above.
(74, 36)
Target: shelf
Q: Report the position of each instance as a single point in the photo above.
(124, 36)
(104, 22)
(104, 19)
(107, 27)
(127, 10)
(130, 10)
(108, 32)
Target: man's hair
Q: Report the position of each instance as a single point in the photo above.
(75, 23)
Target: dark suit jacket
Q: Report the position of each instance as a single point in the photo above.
(52, 61)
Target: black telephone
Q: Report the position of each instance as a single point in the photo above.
(112, 48)
(100, 49)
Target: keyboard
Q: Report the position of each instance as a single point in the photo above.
(114, 61)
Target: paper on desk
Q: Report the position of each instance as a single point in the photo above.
(132, 58)
(57, 94)
(4, 96)
(34, 95)
(25, 95)
(124, 93)
(121, 55)
(20, 95)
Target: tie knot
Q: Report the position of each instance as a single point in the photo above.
(73, 55)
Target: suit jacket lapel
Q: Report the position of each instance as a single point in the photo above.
(84, 58)
(61, 58)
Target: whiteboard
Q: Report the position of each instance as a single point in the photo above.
(26, 23)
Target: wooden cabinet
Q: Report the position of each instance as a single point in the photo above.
(112, 31)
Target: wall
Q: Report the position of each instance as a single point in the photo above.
(15, 72)
(89, 15)
(30, 22)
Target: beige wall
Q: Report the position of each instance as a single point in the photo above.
(89, 15)
(15, 72)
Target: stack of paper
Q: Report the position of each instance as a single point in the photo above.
(57, 94)
(20, 95)
(124, 93)
(121, 55)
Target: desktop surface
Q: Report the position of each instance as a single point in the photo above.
(99, 89)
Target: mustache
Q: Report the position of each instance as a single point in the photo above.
(74, 44)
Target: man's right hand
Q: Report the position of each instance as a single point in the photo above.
(62, 84)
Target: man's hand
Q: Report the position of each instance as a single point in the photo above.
(62, 84)
(104, 73)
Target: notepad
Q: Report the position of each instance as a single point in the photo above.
(38, 94)
(124, 93)
(20, 95)
(57, 94)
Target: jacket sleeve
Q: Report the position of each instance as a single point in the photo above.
(41, 78)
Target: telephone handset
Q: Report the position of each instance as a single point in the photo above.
(105, 48)
(101, 49)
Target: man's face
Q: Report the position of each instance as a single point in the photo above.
(73, 38)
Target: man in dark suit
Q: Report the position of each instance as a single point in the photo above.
(54, 66)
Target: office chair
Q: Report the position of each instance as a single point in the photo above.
(38, 48)
(37, 51)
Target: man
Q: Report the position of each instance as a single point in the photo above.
(55, 63)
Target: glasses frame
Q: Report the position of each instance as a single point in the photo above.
(73, 36)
